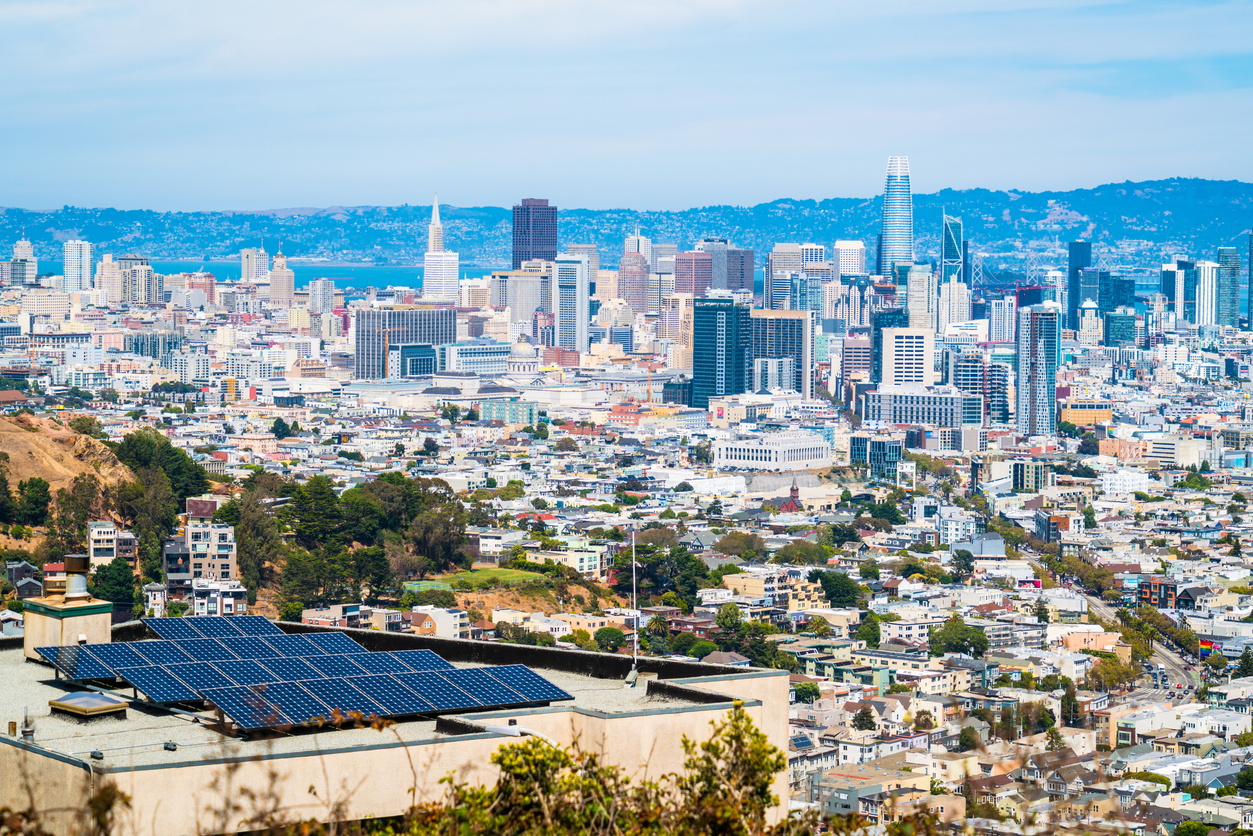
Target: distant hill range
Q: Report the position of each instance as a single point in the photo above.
(1132, 225)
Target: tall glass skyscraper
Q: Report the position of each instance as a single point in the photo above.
(952, 262)
(1039, 340)
(896, 243)
(1228, 287)
(722, 349)
(1079, 256)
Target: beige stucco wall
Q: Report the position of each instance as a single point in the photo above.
(43, 630)
(187, 797)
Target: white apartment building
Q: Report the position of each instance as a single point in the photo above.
(77, 265)
(957, 526)
(1124, 482)
(774, 451)
(101, 543)
(218, 597)
(50, 304)
(913, 629)
(908, 356)
(954, 305)
(1206, 293)
(321, 296)
(1003, 319)
(449, 623)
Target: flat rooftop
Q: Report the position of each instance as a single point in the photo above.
(138, 740)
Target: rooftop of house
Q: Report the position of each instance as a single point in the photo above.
(140, 738)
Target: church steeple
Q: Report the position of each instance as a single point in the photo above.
(435, 232)
(796, 492)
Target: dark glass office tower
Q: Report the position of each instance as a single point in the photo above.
(1091, 280)
(1115, 292)
(1120, 329)
(740, 267)
(1079, 257)
(1228, 291)
(534, 232)
(722, 350)
(886, 318)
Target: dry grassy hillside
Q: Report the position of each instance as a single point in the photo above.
(47, 450)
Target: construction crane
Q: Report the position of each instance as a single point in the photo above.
(386, 332)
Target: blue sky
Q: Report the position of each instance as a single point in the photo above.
(649, 104)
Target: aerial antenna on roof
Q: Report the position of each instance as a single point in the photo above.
(635, 656)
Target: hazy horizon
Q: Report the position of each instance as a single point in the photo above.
(303, 210)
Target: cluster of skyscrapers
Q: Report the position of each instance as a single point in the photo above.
(896, 337)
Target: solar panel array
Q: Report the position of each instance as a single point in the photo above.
(261, 677)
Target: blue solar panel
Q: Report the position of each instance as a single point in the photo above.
(294, 702)
(485, 689)
(246, 708)
(214, 626)
(394, 697)
(161, 653)
(248, 647)
(439, 692)
(528, 683)
(289, 670)
(172, 628)
(339, 695)
(340, 665)
(422, 660)
(158, 684)
(76, 662)
(198, 676)
(381, 663)
(334, 643)
(293, 645)
(255, 625)
(205, 650)
(118, 655)
(245, 671)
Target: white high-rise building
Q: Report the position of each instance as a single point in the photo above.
(1206, 293)
(141, 285)
(661, 257)
(1089, 323)
(570, 302)
(812, 254)
(908, 356)
(282, 283)
(109, 280)
(24, 249)
(920, 297)
(1003, 317)
(78, 260)
(24, 264)
(474, 293)
(440, 267)
(639, 244)
(848, 258)
(254, 265)
(954, 305)
(321, 296)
